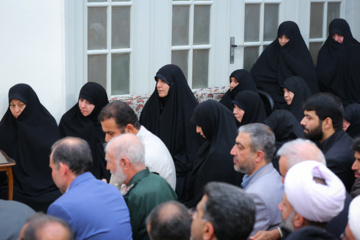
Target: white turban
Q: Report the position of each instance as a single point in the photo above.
(314, 201)
(354, 217)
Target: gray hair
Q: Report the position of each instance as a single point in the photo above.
(262, 139)
(128, 146)
(299, 150)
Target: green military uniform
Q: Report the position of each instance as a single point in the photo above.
(145, 191)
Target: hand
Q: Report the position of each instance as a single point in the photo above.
(266, 235)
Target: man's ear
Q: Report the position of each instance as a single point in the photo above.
(64, 169)
(124, 163)
(260, 155)
(129, 128)
(327, 124)
(208, 231)
(298, 221)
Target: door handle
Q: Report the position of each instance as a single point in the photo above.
(232, 49)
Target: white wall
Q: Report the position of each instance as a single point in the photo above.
(32, 51)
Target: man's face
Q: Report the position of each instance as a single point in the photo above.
(111, 129)
(356, 165)
(57, 176)
(117, 172)
(287, 214)
(283, 167)
(198, 222)
(243, 157)
(312, 126)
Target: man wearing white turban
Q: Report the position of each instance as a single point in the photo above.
(294, 152)
(313, 196)
(352, 230)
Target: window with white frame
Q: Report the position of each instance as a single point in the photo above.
(108, 44)
(190, 47)
(321, 14)
(261, 21)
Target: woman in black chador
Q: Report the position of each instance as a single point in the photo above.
(167, 114)
(338, 63)
(296, 92)
(240, 80)
(351, 123)
(82, 121)
(248, 108)
(286, 128)
(215, 123)
(27, 132)
(286, 56)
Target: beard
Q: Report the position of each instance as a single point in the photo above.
(119, 176)
(246, 166)
(315, 134)
(287, 223)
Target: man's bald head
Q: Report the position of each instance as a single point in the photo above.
(169, 220)
(45, 227)
(297, 151)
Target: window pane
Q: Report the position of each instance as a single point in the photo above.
(314, 50)
(200, 68)
(96, 28)
(97, 0)
(120, 74)
(333, 12)
(180, 26)
(316, 20)
(251, 54)
(97, 69)
(252, 22)
(271, 21)
(120, 0)
(120, 34)
(180, 58)
(201, 24)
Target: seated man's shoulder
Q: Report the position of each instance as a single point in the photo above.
(267, 186)
(152, 185)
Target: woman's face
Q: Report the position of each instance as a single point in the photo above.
(16, 107)
(238, 113)
(233, 83)
(283, 40)
(86, 107)
(199, 131)
(338, 38)
(346, 125)
(162, 88)
(288, 95)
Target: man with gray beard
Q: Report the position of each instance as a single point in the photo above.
(144, 190)
(313, 195)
